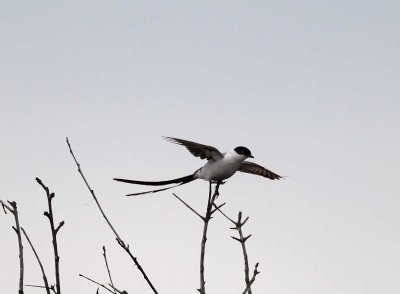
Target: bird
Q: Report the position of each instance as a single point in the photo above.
(219, 166)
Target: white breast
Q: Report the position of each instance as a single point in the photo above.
(221, 169)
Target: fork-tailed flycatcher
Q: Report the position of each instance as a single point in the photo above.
(219, 166)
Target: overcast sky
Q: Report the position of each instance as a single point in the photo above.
(310, 87)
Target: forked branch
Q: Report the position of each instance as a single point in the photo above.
(119, 239)
(108, 269)
(95, 282)
(206, 219)
(242, 240)
(209, 212)
(46, 284)
(255, 273)
(112, 288)
(14, 210)
(54, 232)
(42, 287)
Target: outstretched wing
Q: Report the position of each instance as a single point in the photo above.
(255, 169)
(198, 150)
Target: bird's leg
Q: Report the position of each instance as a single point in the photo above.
(218, 182)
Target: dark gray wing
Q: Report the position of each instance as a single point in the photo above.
(198, 150)
(255, 169)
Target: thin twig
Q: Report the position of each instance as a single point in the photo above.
(14, 210)
(188, 206)
(108, 269)
(119, 240)
(46, 284)
(97, 283)
(54, 232)
(93, 194)
(224, 214)
(43, 287)
(206, 219)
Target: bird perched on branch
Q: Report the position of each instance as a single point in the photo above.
(219, 166)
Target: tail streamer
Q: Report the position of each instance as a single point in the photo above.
(154, 191)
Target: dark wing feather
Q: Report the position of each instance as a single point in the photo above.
(255, 169)
(198, 150)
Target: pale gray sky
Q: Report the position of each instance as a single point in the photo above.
(310, 87)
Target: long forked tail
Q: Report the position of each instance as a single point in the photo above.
(178, 181)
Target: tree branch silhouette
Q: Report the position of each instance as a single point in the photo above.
(119, 239)
(113, 289)
(14, 210)
(42, 287)
(108, 269)
(209, 212)
(242, 240)
(188, 206)
(255, 273)
(97, 283)
(206, 219)
(54, 232)
(46, 284)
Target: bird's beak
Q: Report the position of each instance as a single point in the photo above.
(251, 156)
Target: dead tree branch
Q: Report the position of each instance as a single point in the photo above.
(206, 219)
(242, 240)
(54, 232)
(46, 284)
(113, 289)
(97, 283)
(108, 269)
(14, 210)
(119, 240)
(188, 206)
(209, 212)
(42, 287)
(255, 273)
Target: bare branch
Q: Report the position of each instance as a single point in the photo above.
(108, 269)
(217, 207)
(59, 226)
(54, 231)
(211, 200)
(14, 210)
(119, 240)
(5, 206)
(245, 257)
(188, 206)
(223, 213)
(242, 240)
(46, 284)
(255, 273)
(237, 239)
(43, 287)
(97, 283)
